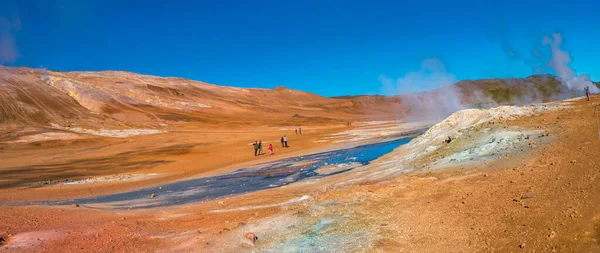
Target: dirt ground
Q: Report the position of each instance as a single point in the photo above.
(170, 156)
(545, 199)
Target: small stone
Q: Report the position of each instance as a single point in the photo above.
(249, 239)
(573, 161)
(75, 205)
(522, 245)
(552, 234)
(221, 202)
(153, 195)
(533, 143)
(527, 195)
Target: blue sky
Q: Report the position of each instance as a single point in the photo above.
(326, 47)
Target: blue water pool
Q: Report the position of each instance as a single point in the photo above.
(250, 179)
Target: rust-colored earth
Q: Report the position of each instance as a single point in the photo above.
(531, 193)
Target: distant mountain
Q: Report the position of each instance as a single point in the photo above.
(115, 99)
(482, 93)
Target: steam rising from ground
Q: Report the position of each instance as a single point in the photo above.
(559, 62)
(431, 75)
(549, 56)
(443, 100)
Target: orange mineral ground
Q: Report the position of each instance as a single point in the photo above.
(122, 162)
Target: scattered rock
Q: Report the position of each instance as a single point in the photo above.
(153, 195)
(522, 245)
(75, 205)
(221, 202)
(523, 136)
(573, 161)
(527, 195)
(552, 234)
(2, 240)
(249, 239)
(532, 143)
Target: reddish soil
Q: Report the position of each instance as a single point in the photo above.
(544, 200)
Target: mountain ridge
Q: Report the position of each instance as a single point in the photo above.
(121, 99)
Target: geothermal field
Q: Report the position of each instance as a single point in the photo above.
(115, 161)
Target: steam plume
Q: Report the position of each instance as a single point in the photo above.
(559, 62)
(432, 105)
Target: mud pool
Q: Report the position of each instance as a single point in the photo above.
(262, 176)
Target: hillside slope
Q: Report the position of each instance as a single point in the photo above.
(118, 100)
(484, 93)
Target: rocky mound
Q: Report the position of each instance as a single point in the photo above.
(476, 136)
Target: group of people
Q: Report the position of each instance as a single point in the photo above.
(284, 143)
(258, 145)
(258, 148)
(298, 130)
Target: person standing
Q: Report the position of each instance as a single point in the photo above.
(296, 130)
(300, 130)
(587, 92)
(255, 148)
(270, 149)
(282, 145)
(260, 148)
(285, 141)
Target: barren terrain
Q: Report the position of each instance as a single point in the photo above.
(512, 178)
